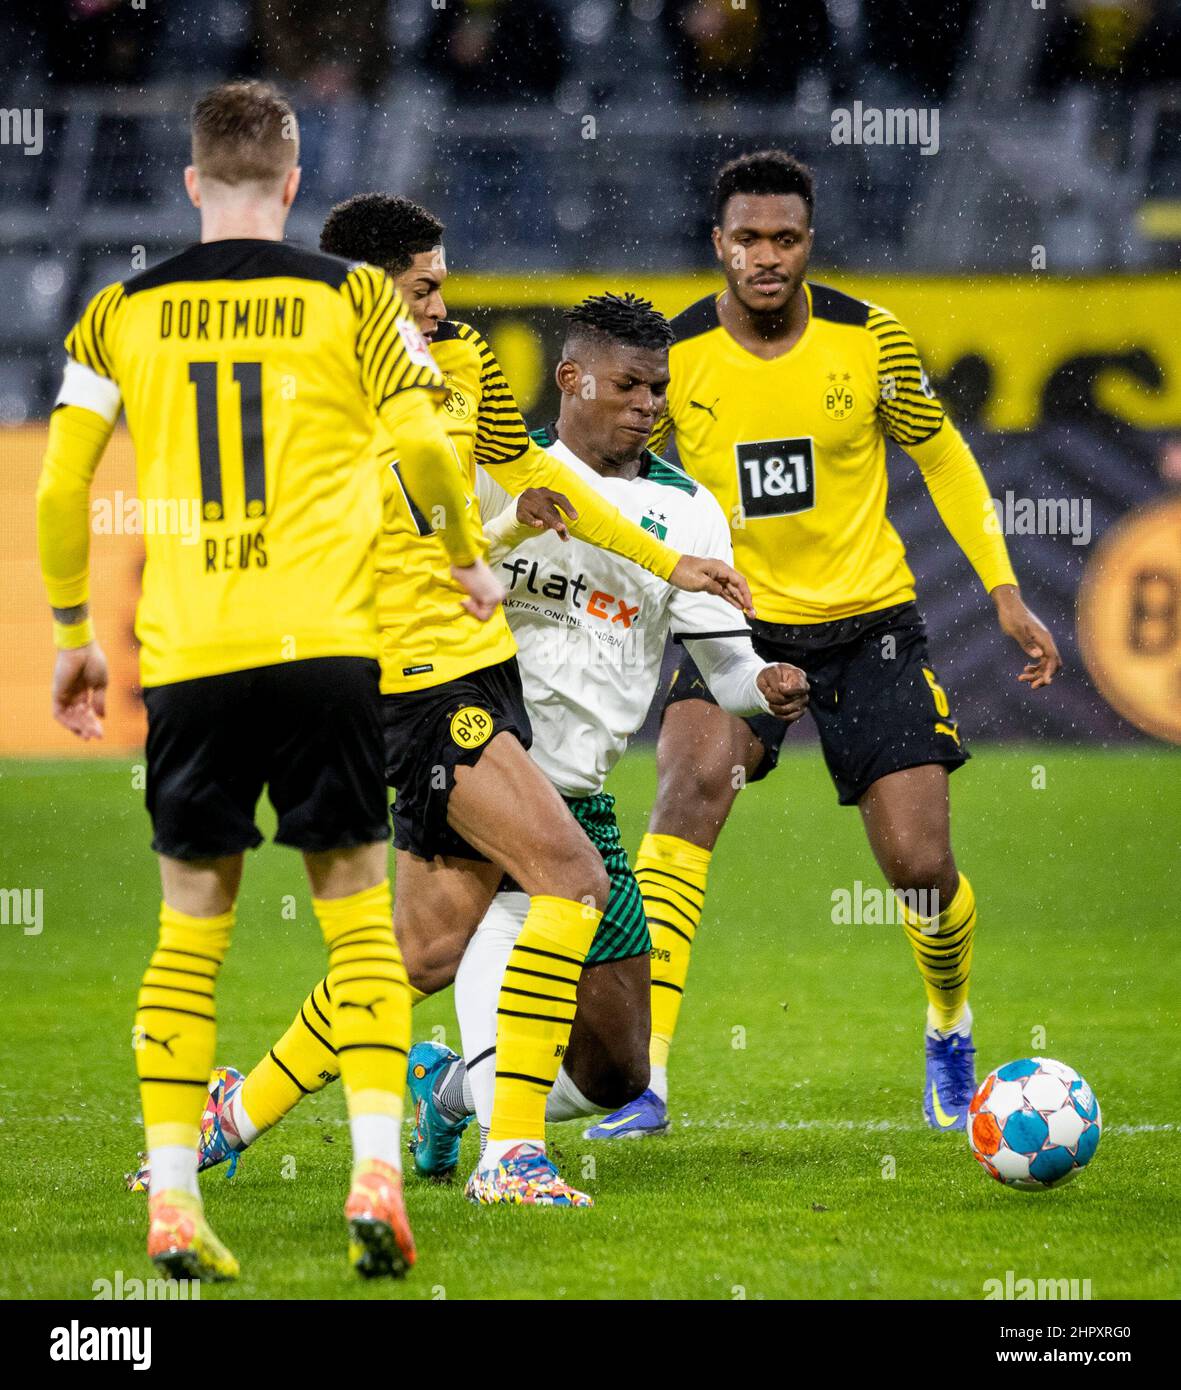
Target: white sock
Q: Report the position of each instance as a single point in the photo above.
(240, 1130)
(659, 1083)
(963, 1027)
(566, 1101)
(376, 1136)
(477, 990)
(173, 1166)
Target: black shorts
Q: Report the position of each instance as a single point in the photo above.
(429, 733)
(308, 731)
(876, 701)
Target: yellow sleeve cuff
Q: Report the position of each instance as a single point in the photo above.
(68, 636)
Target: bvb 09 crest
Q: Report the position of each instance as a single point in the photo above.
(1129, 619)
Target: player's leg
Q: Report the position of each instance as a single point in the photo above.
(704, 757)
(891, 741)
(907, 820)
(606, 1070)
(369, 1000)
(606, 1061)
(542, 847)
(204, 778)
(436, 907)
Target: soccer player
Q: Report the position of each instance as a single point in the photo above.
(783, 394)
(471, 804)
(591, 631)
(254, 376)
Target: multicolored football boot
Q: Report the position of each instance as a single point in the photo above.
(213, 1147)
(180, 1242)
(435, 1140)
(524, 1177)
(380, 1242)
(951, 1079)
(646, 1116)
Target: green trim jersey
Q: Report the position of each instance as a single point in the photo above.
(591, 626)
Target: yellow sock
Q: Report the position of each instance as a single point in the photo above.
(944, 955)
(175, 1026)
(672, 874)
(370, 1013)
(302, 1062)
(534, 1012)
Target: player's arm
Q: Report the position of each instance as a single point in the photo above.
(406, 387)
(83, 417)
(737, 677)
(510, 521)
(913, 416)
(503, 446)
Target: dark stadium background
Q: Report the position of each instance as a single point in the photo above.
(571, 147)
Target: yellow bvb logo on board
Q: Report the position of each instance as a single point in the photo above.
(838, 402)
(1129, 618)
(471, 726)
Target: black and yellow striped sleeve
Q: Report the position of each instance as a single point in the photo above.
(910, 411)
(89, 341)
(501, 435)
(392, 353)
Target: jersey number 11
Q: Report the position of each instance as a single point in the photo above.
(248, 375)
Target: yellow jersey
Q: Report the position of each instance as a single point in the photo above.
(253, 375)
(426, 637)
(794, 448)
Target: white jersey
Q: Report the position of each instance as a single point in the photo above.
(591, 627)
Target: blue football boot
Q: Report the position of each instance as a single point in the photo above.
(645, 1116)
(435, 1141)
(951, 1079)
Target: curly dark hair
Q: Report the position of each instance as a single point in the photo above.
(766, 171)
(384, 230)
(622, 318)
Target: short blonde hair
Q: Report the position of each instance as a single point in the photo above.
(244, 132)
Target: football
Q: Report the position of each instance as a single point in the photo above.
(1034, 1123)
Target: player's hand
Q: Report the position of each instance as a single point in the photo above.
(785, 689)
(80, 690)
(1031, 635)
(700, 574)
(542, 508)
(483, 589)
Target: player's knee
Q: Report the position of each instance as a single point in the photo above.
(431, 958)
(699, 784)
(573, 869)
(921, 867)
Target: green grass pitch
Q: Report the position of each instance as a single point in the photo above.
(798, 1165)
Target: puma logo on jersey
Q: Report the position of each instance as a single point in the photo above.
(709, 409)
(165, 1043)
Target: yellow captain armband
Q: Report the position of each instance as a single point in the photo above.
(68, 636)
